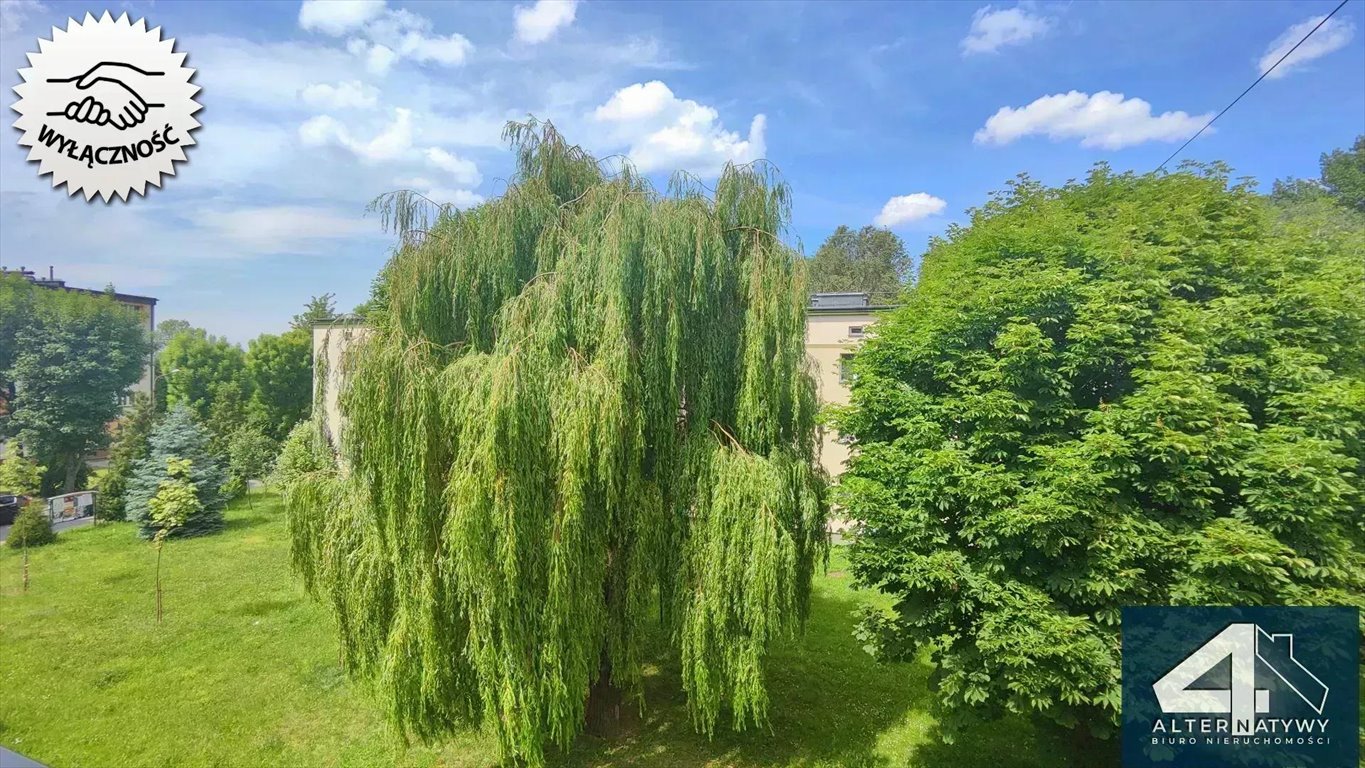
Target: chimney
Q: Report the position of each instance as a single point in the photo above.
(49, 273)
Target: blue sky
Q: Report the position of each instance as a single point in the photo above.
(902, 114)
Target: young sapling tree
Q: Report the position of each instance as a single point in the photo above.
(174, 503)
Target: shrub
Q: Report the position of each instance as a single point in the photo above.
(20, 476)
(31, 528)
(179, 436)
(1129, 391)
(251, 453)
(303, 451)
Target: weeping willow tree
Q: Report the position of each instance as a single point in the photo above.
(584, 416)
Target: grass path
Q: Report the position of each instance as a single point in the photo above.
(244, 673)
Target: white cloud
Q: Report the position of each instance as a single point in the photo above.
(663, 132)
(1106, 120)
(1333, 35)
(904, 209)
(391, 142)
(538, 23)
(13, 14)
(460, 198)
(392, 146)
(450, 50)
(282, 228)
(337, 17)
(265, 75)
(637, 102)
(462, 171)
(350, 94)
(379, 59)
(992, 30)
(382, 35)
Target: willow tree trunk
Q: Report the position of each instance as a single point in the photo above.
(605, 702)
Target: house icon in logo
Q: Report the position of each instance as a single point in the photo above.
(1255, 655)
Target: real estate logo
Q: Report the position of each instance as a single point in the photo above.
(106, 107)
(1240, 686)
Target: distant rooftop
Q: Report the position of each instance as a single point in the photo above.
(848, 300)
(51, 281)
(843, 301)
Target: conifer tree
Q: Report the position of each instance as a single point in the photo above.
(179, 436)
(584, 414)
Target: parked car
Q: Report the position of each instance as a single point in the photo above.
(10, 504)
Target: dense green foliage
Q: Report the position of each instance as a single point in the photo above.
(176, 500)
(161, 336)
(200, 369)
(130, 445)
(584, 414)
(250, 454)
(32, 527)
(233, 407)
(72, 356)
(1133, 390)
(1342, 180)
(319, 309)
(280, 369)
(303, 451)
(16, 314)
(871, 260)
(267, 387)
(178, 436)
(20, 475)
(1343, 174)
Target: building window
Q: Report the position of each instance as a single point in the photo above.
(856, 331)
(846, 374)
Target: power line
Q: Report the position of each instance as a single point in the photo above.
(1253, 85)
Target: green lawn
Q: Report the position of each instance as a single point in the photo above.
(244, 673)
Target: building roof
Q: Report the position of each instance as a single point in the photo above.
(341, 321)
(843, 303)
(52, 282)
(126, 298)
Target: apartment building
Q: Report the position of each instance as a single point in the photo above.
(145, 306)
(836, 324)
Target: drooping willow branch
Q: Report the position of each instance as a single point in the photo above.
(583, 415)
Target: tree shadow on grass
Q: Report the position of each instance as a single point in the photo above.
(242, 520)
(1008, 742)
(829, 703)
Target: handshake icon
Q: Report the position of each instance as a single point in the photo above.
(107, 94)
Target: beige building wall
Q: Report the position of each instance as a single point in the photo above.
(330, 343)
(145, 385)
(831, 337)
